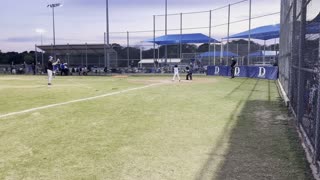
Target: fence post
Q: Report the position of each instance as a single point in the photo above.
(228, 35)
(35, 55)
(249, 38)
(154, 38)
(316, 154)
(302, 34)
(86, 55)
(209, 48)
(293, 49)
(128, 50)
(181, 36)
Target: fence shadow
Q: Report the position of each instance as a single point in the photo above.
(262, 144)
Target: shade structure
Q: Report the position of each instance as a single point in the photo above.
(264, 53)
(182, 38)
(313, 26)
(273, 31)
(218, 54)
(262, 33)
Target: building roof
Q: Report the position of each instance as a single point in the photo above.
(77, 49)
(151, 61)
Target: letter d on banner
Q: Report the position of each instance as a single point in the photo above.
(236, 71)
(262, 72)
(217, 70)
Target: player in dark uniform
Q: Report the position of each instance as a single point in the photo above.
(233, 63)
(50, 69)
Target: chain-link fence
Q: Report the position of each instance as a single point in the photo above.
(219, 23)
(299, 72)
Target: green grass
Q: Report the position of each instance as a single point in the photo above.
(211, 128)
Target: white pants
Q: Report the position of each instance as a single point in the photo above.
(49, 76)
(174, 76)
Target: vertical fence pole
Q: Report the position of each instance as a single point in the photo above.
(249, 37)
(238, 53)
(154, 38)
(293, 49)
(228, 34)
(105, 50)
(86, 55)
(264, 53)
(318, 111)
(221, 52)
(181, 36)
(128, 51)
(68, 54)
(166, 31)
(209, 44)
(300, 107)
(140, 57)
(214, 57)
(35, 53)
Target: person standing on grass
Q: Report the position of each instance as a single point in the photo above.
(176, 73)
(50, 69)
(233, 63)
(189, 73)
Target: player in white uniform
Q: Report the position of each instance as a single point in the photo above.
(176, 73)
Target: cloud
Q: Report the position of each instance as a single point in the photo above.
(21, 39)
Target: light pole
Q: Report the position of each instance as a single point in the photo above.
(54, 34)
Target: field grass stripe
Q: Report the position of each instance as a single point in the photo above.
(77, 100)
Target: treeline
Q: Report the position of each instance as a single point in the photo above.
(17, 58)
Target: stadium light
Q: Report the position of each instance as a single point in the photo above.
(40, 31)
(54, 34)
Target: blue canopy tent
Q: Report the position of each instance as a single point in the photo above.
(175, 39)
(262, 33)
(182, 38)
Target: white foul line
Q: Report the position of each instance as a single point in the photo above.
(78, 100)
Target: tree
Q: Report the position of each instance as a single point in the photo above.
(28, 59)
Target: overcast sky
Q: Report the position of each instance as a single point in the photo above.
(81, 21)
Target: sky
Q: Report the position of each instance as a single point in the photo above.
(84, 21)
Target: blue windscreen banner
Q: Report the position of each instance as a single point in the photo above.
(262, 72)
